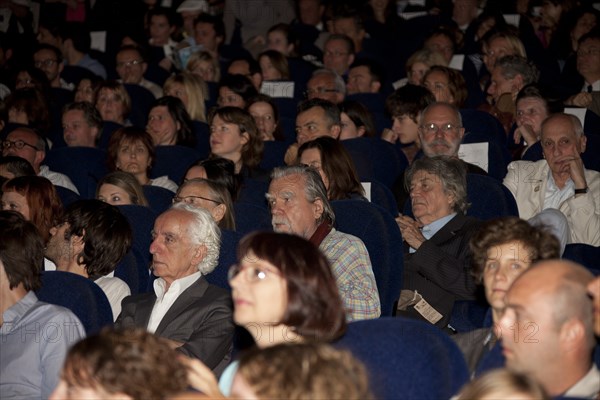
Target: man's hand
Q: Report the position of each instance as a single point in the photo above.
(389, 136)
(411, 231)
(580, 100)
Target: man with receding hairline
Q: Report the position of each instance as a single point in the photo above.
(547, 329)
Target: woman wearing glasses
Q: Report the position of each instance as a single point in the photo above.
(283, 292)
(212, 196)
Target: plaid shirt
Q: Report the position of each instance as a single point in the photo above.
(353, 273)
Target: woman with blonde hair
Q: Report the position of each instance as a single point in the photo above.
(502, 384)
(203, 64)
(191, 90)
(120, 188)
(113, 102)
(419, 63)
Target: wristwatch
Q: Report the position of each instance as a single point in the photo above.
(581, 191)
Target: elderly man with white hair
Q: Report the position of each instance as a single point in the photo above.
(195, 316)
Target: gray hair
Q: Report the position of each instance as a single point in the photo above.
(203, 230)
(452, 173)
(338, 81)
(511, 66)
(314, 189)
(452, 107)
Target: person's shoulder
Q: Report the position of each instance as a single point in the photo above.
(344, 240)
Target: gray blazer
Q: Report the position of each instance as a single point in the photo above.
(201, 318)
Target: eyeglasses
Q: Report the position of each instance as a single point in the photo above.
(320, 90)
(251, 274)
(193, 200)
(589, 52)
(129, 63)
(431, 129)
(335, 53)
(44, 63)
(17, 144)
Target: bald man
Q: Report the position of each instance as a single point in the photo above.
(547, 329)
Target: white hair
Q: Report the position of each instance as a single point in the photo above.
(203, 230)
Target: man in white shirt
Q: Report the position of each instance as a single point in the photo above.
(90, 240)
(558, 191)
(183, 307)
(26, 143)
(547, 329)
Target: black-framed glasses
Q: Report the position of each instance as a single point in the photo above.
(44, 63)
(432, 129)
(17, 144)
(129, 63)
(311, 92)
(193, 200)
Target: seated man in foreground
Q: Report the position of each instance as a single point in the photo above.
(184, 307)
(299, 205)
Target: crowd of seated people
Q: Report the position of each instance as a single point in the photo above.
(142, 142)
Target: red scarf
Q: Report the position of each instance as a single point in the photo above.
(322, 231)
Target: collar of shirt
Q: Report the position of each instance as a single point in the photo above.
(554, 196)
(587, 386)
(431, 229)
(14, 313)
(595, 86)
(177, 287)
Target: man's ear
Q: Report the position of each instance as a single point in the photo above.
(199, 253)
(335, 131)
(218, 212)
(572, 334)
(318, 209)
(583, 143)
(39, 157)
(375, 86)
(461, 133)
(78, 244)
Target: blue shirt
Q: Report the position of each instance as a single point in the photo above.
(431, 229)
(34, 340)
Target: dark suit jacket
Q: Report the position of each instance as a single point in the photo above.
(440, 269)
(201, 318)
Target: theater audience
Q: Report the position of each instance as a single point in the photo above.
(29, 364)
(183, 307)
(553, 297)
(266, 115)
(89, 240)
(192, 92)
(283, 285)
(559, 191)
(210, 195)
(502, 384)
(113, 102)
(234, 136)
(356, 120)
(120, 188)
(303, 369)
(298, 201)
(35, 198)
(436, 262)
(132, 150)
(169, 123)
(28, 144)
(125, 364)
(331, 160)
(501, 250)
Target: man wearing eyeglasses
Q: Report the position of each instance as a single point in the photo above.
(338, 53)
(49, 59)
(558, 191)
(588, 67)
(26, 143)
(131, 67)
(327, 85)
(194, 315)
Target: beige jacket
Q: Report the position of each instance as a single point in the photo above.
(527, 182)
